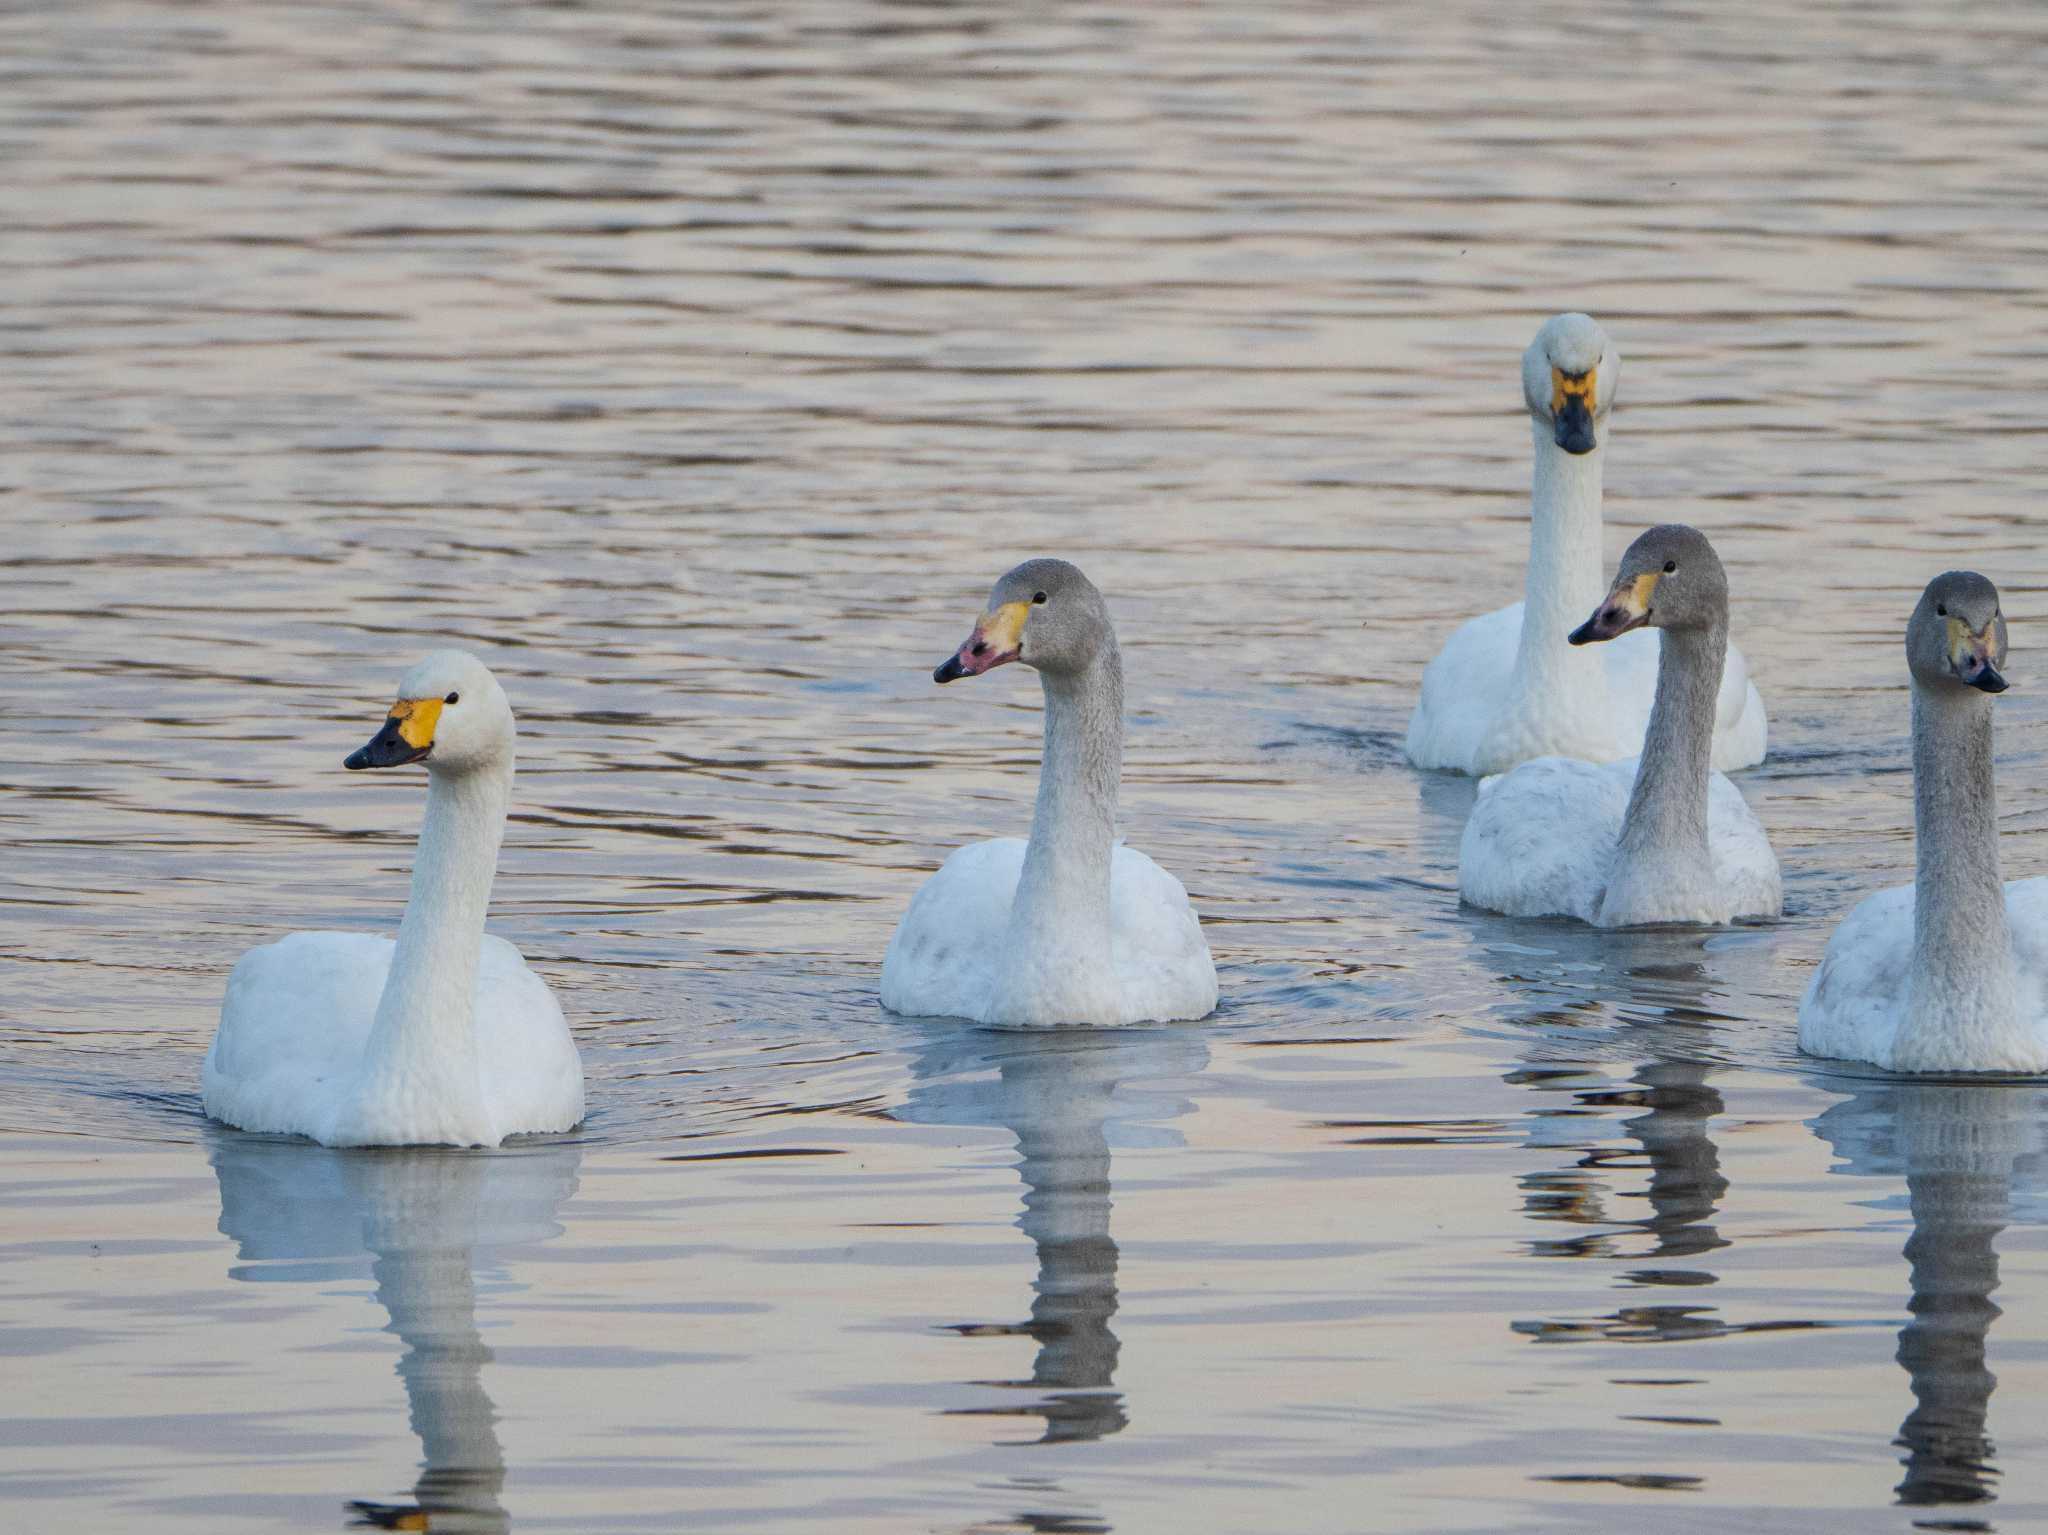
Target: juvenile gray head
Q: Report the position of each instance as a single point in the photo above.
(1044, 613)
(450, 714)
(1956, 636)
(1670, 578)
(1570, 377)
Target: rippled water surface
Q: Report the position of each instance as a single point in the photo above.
(700, 366)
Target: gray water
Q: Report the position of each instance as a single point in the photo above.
(701, 367)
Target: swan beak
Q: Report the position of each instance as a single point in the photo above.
(1627, 607)
(998, 638)
(407, 736)
(1970, 654)
(1572, 397)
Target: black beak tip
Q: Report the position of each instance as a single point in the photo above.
(1989, 681)
(1583, 635)
(357, 760)
(1574, 428)
(949, 670)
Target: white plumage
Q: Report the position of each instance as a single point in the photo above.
(951, 955)
(1857, 1001)
(1542, 840)
(295, 1029)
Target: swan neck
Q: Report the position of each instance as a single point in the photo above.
(1063, 892)
(1962, 946)
(1667, 810)
(423, 1043)
(1564, 580)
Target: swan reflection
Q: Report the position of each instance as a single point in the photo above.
(1062, 1093)
(422, 1222)
(1965, 1151)
(1659, 995)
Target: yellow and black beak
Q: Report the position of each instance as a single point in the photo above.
(1573, 399)
(998, 638)
(407, 736)
(1627, 607)
(1971, 655)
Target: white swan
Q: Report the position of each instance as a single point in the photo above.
(1072, 927)
(1660, 838)
(1506, 687)
(444, 1037)
(1949, 973)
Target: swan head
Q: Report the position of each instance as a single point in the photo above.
(1570, 376)
(1670, 578)
(1044, 613)
(450, 714)
(1956, 636)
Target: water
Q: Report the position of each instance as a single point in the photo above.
(701, 368)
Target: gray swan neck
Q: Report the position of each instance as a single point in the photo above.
(1667, 810)
(1962, 946)
(1064, 887)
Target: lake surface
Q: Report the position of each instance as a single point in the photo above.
(701, 367)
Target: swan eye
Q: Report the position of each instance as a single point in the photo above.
(453, 698)
(1941, 609)
(1038, 596)
(1669, 566)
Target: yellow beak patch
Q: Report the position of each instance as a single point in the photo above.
(1583, 388)
(1634, 597)
(1003, 629)
(417, 718)
(1964, 646)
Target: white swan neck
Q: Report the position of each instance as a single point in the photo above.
(1062, 905)
(422, 1049)
(1963, 990)
(1564, 578)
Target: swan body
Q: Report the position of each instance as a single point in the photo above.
(1859, 998)
(1659, 838)
(1950, 973)
(1070, 927)
(1542, 842)
(949, 957)
(441, 1037)
(1507, 687)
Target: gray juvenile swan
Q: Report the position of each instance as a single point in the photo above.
(1506, 687)
(1660, 838)
(1071, 927)
(1949, 973)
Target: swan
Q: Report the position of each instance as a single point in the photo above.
(444, 1037)
(1071, 927)
(1506, 687)
(1949, 973)
(1659, 838)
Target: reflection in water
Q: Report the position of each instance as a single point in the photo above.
(1666, 998)
(1057, 1093)
(1962, 1149)
(301, 1212)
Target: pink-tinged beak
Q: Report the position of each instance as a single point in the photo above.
(998, 638)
